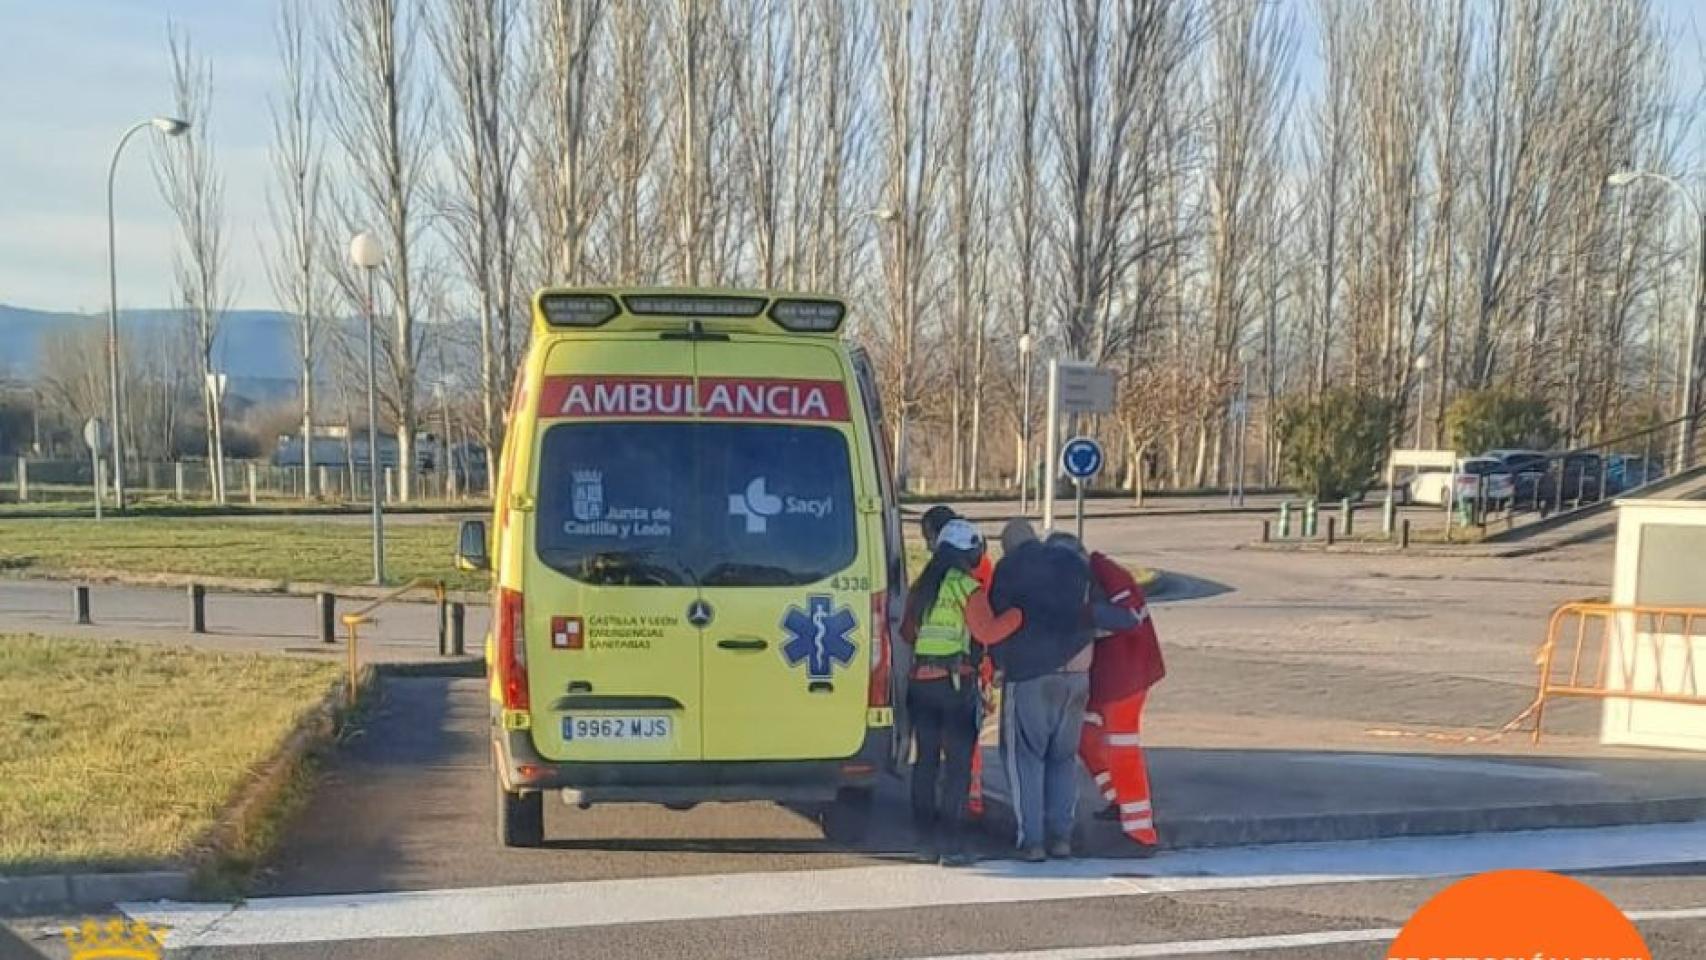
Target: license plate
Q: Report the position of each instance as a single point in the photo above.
(616, 728)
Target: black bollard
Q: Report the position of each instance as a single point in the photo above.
(198, 608)
(458, 619)
(1404, 536)
(80, 604)
(326, 605)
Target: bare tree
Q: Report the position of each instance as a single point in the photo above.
(564, 33)
(379, 115)
(476, 42)
(911, 175)
(195, 191)
(295, 205)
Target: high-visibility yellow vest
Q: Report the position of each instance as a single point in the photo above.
(943, 631)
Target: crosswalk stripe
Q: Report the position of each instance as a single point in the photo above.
(486, 910)
(1257, 944)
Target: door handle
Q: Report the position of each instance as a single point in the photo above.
(820, 686)
(743, 643)
(579, 686)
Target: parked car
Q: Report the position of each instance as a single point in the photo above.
(1583, 474)
(1625, 471)
(1477, 478)
(1528, 469)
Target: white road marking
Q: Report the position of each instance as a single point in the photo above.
(557, 906)
(1282, 941)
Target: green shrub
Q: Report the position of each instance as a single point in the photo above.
(1334, 446)
(1481, 420)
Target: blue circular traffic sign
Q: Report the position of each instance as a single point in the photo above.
(1081, 458)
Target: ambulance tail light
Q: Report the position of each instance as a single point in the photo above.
(882, 656)
(512, 650)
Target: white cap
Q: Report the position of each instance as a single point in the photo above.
(960, 535)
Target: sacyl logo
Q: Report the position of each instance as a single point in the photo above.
(757, 505)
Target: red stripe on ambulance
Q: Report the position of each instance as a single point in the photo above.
(722, 397)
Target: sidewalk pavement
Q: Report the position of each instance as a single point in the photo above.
(404, 632)
(1218, 797)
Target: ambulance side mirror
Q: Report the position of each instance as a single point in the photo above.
(471, 555)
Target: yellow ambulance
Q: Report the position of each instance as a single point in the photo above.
(697, 557)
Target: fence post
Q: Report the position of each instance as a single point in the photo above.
(1345, 512)
(80, 604)
(23, 480)
(198, 608)
(1309, 519)
(390, 484)
(326, 605)
(1331, 523)
(1388, 516)
(458, 620)
(323, 488)
(178, 479)
(1404, 535)
(252, 492)
(1285, 520)
(1265, 530)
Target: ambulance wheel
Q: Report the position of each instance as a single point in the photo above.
(521, 818)
(849, 817)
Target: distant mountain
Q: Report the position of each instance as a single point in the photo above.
(256, 349)
(250, 344)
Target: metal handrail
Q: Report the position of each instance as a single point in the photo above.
(352, 621)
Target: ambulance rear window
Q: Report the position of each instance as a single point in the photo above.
(707, 504)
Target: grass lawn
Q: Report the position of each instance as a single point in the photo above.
(115, 756)
(302, 549)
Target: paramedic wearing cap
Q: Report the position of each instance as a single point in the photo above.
(1125, 664)
(930, 525)
(942, 697)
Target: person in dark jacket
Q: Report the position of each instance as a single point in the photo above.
(1046, 663)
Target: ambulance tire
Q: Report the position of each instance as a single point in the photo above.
(521, 818)
(849, 818)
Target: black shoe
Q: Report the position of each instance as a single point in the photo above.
(1110, 812)
(958, 858)
(1033, 855)
(1060, 850)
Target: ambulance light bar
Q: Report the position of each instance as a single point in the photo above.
(578, 309)
(808, 316)
(691, 305)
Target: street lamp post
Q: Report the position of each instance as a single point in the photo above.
(365, 253)
(171, 127)
(1025, 421)
(1691, 332)
(1422, 364)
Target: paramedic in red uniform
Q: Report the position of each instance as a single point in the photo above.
(1125, 666)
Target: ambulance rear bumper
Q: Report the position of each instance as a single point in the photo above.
(687, 782)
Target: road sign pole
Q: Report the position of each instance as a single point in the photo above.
(1051, 436)
(1080, 485)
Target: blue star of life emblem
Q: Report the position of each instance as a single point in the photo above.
(819, 636)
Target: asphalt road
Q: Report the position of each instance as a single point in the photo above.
(395, 854)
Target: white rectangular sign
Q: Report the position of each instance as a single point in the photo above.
(1086, 388)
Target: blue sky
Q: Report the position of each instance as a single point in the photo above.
(75, 73)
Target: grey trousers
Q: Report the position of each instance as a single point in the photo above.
(1040, 723)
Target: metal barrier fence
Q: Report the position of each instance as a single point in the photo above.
(29, 479)
(1609, 651)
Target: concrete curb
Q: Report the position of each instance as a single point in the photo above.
(1094, 838)
(255, 800)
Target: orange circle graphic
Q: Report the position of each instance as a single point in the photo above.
(1519, 913)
